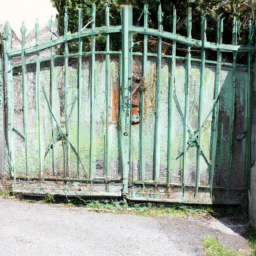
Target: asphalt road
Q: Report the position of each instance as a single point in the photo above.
(40, 229)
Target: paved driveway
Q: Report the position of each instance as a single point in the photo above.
(40, 229)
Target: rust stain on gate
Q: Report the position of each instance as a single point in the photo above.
(147, 126)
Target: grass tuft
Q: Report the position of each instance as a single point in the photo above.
(214, 248)
(49, 199)
(29, 201)
(143, 209)
(146, 209)
(251, 238)
(6, 194)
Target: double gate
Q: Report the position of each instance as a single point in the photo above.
(143, 125)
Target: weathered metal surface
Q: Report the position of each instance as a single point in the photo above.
(2, 122)
(177, 147)
(46, 117)
(215, 127)
(72, 188)
(185, 113)
(170, 101)
(145, 125)
(37, 99)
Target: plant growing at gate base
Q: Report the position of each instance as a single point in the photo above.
(251, 237)
(6, 194)
(49, 199)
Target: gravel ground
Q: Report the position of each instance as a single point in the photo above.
(41, 229)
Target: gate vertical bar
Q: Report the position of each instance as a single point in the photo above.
(187, 82)
(25, 91)
(170, 99)
(216, 110)
(107, 93)
(201, 96)
(52, 91)
(232, 114)
(125, 107)
(130, 74)
(2, 121)
(38, 102)
(66, 144)
(8, 79)
(120, 121)
(92, 150)
(142, 90)
(158, 91)
(80, 50)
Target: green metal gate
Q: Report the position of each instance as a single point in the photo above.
(72, 127)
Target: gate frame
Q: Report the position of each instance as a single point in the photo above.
(126, 57)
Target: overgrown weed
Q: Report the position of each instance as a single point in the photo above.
(29, 201)
(134, 208)
(146, 209)
(49, 199)
(214, 248)
(142, 209)
(251, 238)
(6, 194)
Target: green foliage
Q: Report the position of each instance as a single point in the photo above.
(215, 9)
(144, 209)
(214, 248)
(29, 201)
(72, 9)
(49, 199)
(6, 194)
(251, 238)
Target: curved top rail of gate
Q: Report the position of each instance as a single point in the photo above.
(87, 32)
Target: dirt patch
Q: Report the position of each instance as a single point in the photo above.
(189, 233)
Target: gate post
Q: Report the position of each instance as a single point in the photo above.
(125, 106)
(8, 84)
(2, 153)
(251, 134)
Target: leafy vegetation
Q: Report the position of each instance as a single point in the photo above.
(6, 194)
(214, 248)
(147, 210)
(29, 201)
(49, 199)
(134, 208)
(251, 238)
(216, 9)
(119, 207)
(144, 209)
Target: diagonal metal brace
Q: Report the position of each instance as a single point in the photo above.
(72, 107)
(180, 112)
(213, 107)
(193, 142)
(62, 133)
